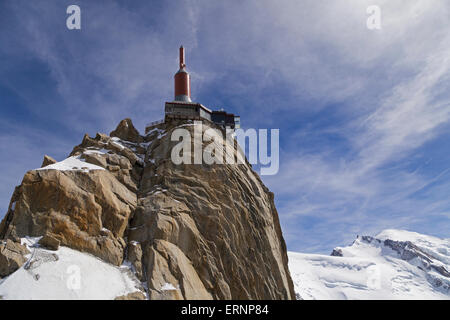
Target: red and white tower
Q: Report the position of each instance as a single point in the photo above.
(182, 81)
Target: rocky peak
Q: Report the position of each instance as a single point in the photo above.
(127, 132)
(188, 231)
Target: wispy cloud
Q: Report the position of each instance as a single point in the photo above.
(372, 185)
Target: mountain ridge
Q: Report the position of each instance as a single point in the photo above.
(394, 264)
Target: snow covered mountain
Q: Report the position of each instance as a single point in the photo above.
(395, 264)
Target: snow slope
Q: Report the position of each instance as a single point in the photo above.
(66, 274)
(395, 264)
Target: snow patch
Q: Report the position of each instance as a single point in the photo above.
(67, 274)
(74, 163)
(117, 142)
(30, 241)
(167, 287)
(96, 151)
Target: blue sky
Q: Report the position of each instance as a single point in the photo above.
(363, 114)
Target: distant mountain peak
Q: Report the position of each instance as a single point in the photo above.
(394, 264)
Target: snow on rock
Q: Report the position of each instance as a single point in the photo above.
(161, 132)
(395, 264)
(168, 287)
(117, 142)
(96, 151)
(67, 274)
(132, 146)
(72, 164)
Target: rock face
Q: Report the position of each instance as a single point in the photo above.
(12, 257)
(190, 231)
(87, 211)
(49, 242)
(47, 161)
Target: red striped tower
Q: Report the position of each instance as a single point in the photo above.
(182, 81)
